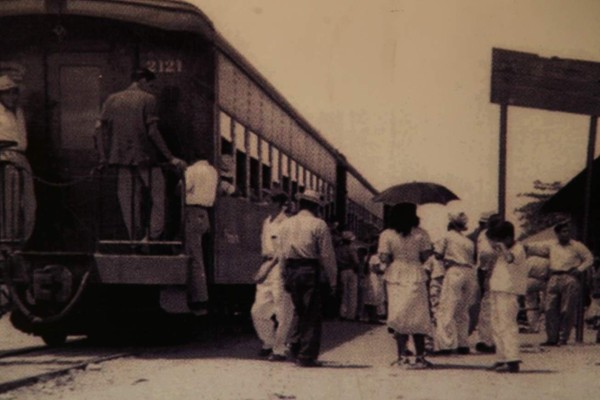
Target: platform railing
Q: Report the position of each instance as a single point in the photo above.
(126, 199)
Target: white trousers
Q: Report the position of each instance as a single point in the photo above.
(459, 292)
(505, 307)
(349, 289)
(273, 301)
(484, 325)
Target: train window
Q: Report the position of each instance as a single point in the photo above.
(285, 173)
(276, 164)
(254, 165)
(301, 178)
(240, 137)
(294, 177)
(225, 126)
(240, 157)
(225, 131)
(80, 91)
(265, 150)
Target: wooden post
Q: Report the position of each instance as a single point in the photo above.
(587, 212)
(502, 160)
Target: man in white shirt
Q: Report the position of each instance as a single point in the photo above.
(201, 181)
(18, 214)
(306, 249)
(568, 260)
(271, 299)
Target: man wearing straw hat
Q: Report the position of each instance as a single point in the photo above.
(305, 250)
(17, 172)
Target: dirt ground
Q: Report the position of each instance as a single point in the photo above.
(357, 366)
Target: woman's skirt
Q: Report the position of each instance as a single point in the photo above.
(408, 308)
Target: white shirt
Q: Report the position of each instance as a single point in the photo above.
(305, 236)
(456, 247)
(510, 277)
(563, 257)
(270, 234)
(12, 127)
(201, 180)
(486, 256)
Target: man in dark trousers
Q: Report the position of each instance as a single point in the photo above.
(305, 250)
(128, 139)
(569, 259)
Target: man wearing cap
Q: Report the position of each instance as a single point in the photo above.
(271, 299)
(16, 168)
(569, 259)
(459, 290)
(305, 250)
(128, 138)
(348, 265)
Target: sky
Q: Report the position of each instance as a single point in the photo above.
(402, 87)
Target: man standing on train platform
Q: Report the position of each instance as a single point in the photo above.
(271, 300)
(15, 167)
(348, 264)
(128, 138)
(201, 181)
(569, 259)
(305, 250)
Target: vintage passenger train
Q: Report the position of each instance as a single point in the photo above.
(80, 273)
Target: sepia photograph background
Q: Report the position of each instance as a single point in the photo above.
(402, 87)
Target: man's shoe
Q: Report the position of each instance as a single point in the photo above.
(265, 352)
(484, 348)
(463, 350)
(420, 363)
(402, 362)
(510, 367)
(277, 357)
(308, 363)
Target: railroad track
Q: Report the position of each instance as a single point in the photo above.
(29, 365)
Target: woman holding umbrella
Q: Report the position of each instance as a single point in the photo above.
(403, 248)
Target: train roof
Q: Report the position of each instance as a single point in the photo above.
(172, 15)
(261, 81)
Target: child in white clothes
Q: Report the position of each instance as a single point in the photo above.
(507, 283)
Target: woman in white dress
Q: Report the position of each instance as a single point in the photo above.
(403, 248)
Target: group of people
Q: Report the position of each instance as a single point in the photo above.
(437, 293)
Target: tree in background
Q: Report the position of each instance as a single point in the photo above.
(531, 218)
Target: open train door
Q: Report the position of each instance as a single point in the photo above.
(78, 83)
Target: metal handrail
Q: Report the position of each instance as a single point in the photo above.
(137, 186)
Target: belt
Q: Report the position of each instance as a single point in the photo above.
(302, 262)
(559, 272)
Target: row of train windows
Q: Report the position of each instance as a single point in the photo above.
(253, 164)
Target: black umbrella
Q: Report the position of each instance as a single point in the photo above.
(417, 193)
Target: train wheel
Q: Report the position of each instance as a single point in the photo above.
(54, 339)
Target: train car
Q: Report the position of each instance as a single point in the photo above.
(81, 271)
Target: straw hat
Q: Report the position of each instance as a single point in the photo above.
(310, 195)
